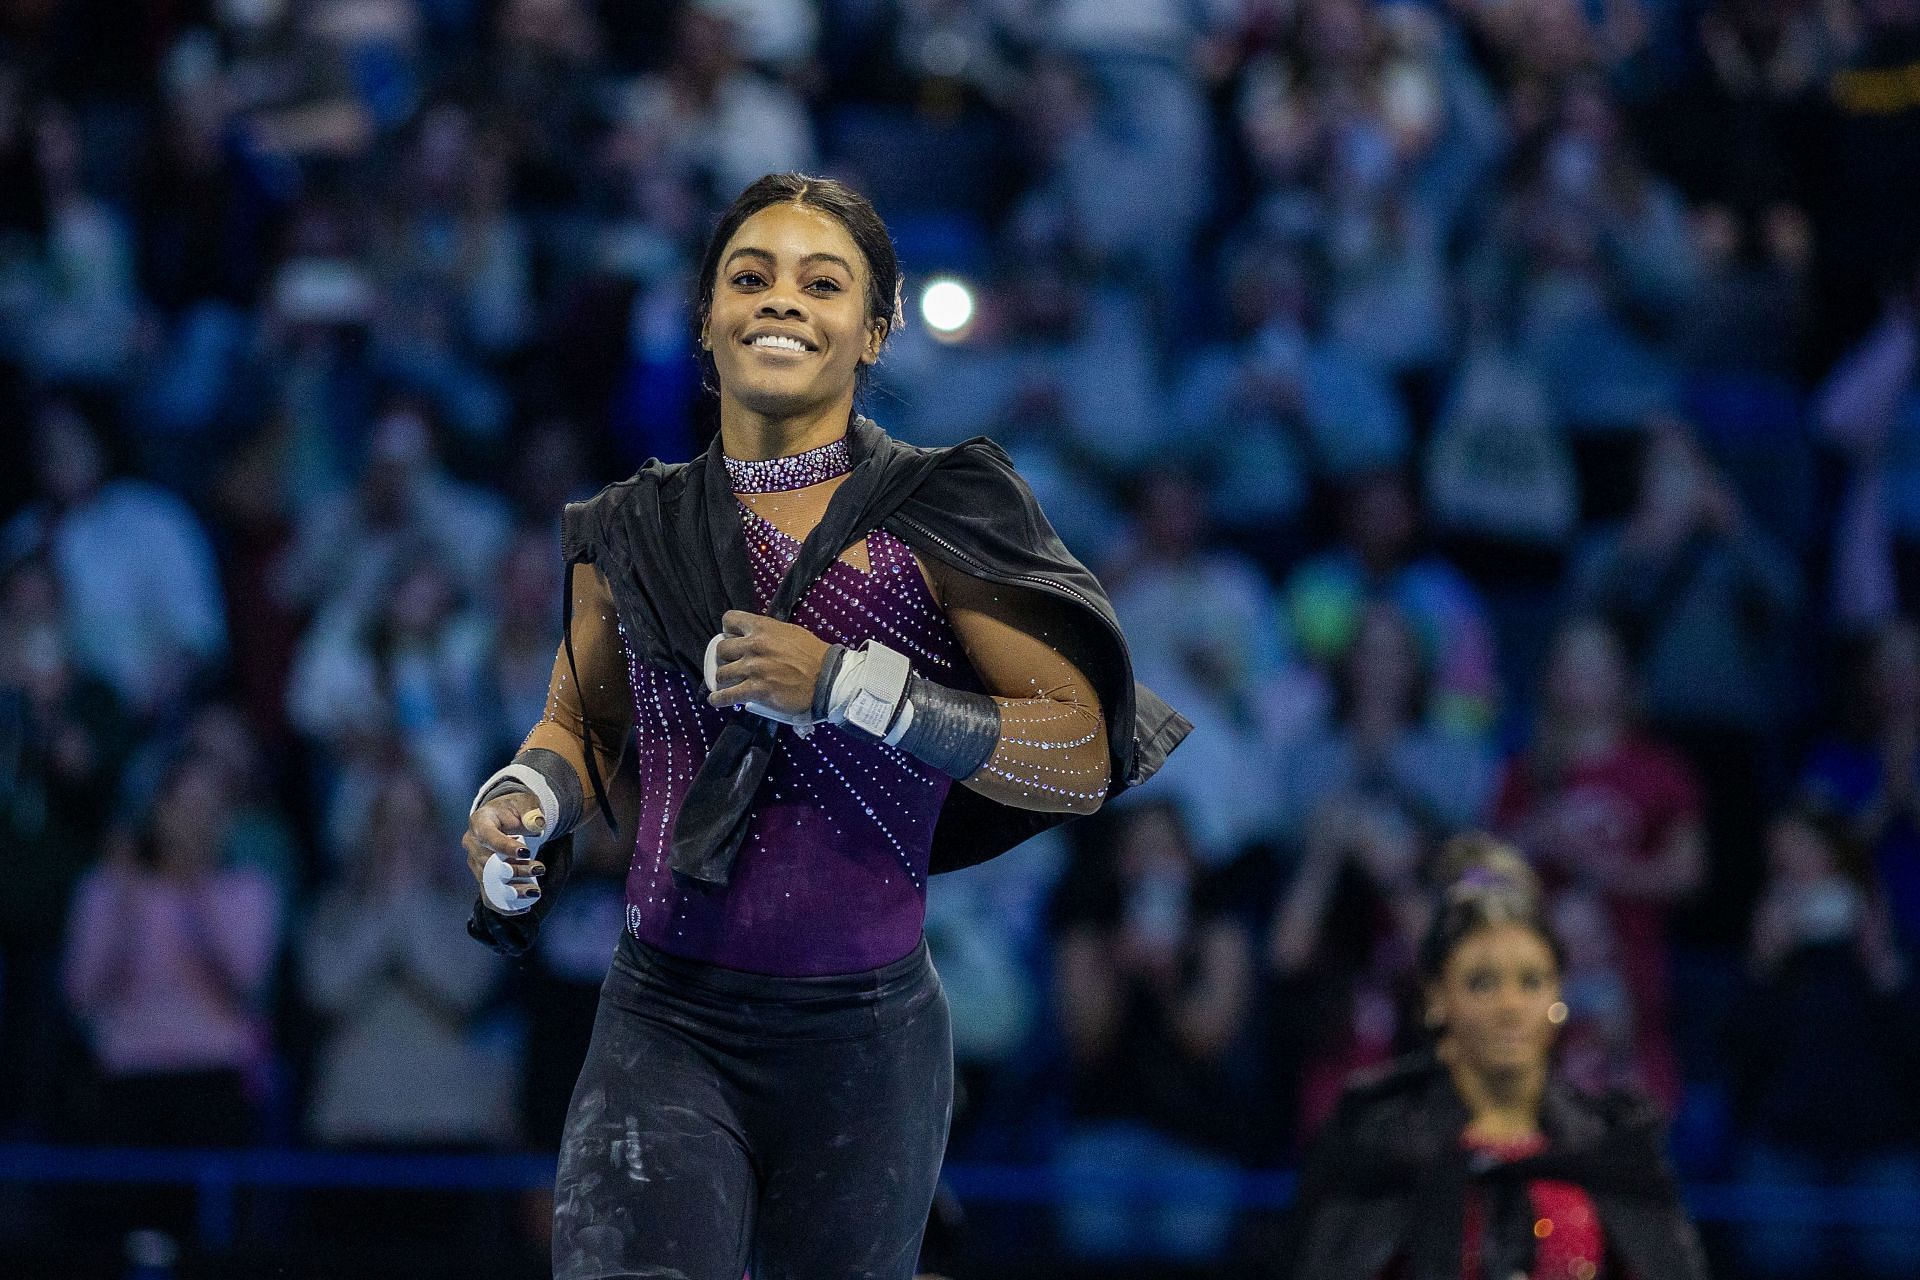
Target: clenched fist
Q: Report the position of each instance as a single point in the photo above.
(769, 663)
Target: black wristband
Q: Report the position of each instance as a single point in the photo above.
(823, 687)
(953, 730)
(559, 775)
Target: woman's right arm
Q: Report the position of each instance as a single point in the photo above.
(593, 712)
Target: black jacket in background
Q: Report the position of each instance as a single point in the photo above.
(1388, 1178)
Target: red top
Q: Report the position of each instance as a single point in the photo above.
(1564, 1222)
(1623, 807)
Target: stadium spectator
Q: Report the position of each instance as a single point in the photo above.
(169, 961)
(385, 958)
(1595, 804)
(64, 737)
(1826, 1036)
(1870, 774)
(1380, 555)
(1154, 973)
(1704, 601)
(150, 624)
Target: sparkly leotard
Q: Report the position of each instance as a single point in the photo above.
(831, 877)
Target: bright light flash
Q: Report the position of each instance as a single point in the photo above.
(946, 306)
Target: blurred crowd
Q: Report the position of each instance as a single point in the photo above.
(1483, 412)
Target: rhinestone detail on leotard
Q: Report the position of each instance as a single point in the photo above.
(831, 877)
(794, 471)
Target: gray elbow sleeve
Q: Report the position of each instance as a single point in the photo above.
(953, 730)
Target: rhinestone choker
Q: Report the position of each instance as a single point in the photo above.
(795, 471)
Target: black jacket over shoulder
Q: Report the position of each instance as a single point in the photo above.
(1388, 1178)
(670, 544)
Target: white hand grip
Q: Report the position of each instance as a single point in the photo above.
(495, 883)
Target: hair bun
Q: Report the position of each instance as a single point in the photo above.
(1484, 883)
(1474, 864)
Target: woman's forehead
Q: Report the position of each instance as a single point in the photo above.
(791, 233)
(1500, 944)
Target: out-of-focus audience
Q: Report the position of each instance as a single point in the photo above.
(1599, 806)
(1826, 1040)
(381, 960)
(171, 955)
(1431, 384)
(1154, 976)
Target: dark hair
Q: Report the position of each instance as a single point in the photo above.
(1851, 857)
(1484, 882)
(837, 200)
(177, 766)
(1419, 695)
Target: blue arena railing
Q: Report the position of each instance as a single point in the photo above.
(218, 1176)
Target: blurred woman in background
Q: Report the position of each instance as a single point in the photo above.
(169, 960)
(1475, 1160)
(1825, 1048)
(385, 957)
(1599, 806)
(402, 1065)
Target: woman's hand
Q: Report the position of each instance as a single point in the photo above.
(498, 827)
(766, 661)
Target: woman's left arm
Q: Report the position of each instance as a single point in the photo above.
(1037, 739)
(1052, 752)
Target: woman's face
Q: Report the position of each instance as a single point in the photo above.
(421, 598)
(1151, 841)
(789, 326)
(1588, 676)
(1797, 854)
(189, 820)
(1496, 1000)
(403, 832)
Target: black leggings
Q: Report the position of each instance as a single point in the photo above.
(727, 1120)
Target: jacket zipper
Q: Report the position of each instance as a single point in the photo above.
(1046, 584)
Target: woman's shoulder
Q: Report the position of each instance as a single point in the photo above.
(1388, 1097)
(1619, 1120)
(584, 524)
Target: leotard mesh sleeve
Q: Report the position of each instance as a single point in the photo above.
(1052, 751)
(597, 709)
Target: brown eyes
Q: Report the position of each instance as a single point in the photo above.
(1481, 981)
(753, 279)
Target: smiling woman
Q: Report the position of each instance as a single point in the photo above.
(1475, 1160)
(800, 291)
(810, 633)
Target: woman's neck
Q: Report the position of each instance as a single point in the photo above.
(1593, 736)
(1504, 1106)
(752, 436)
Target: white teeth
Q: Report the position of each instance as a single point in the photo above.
(778, 342)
